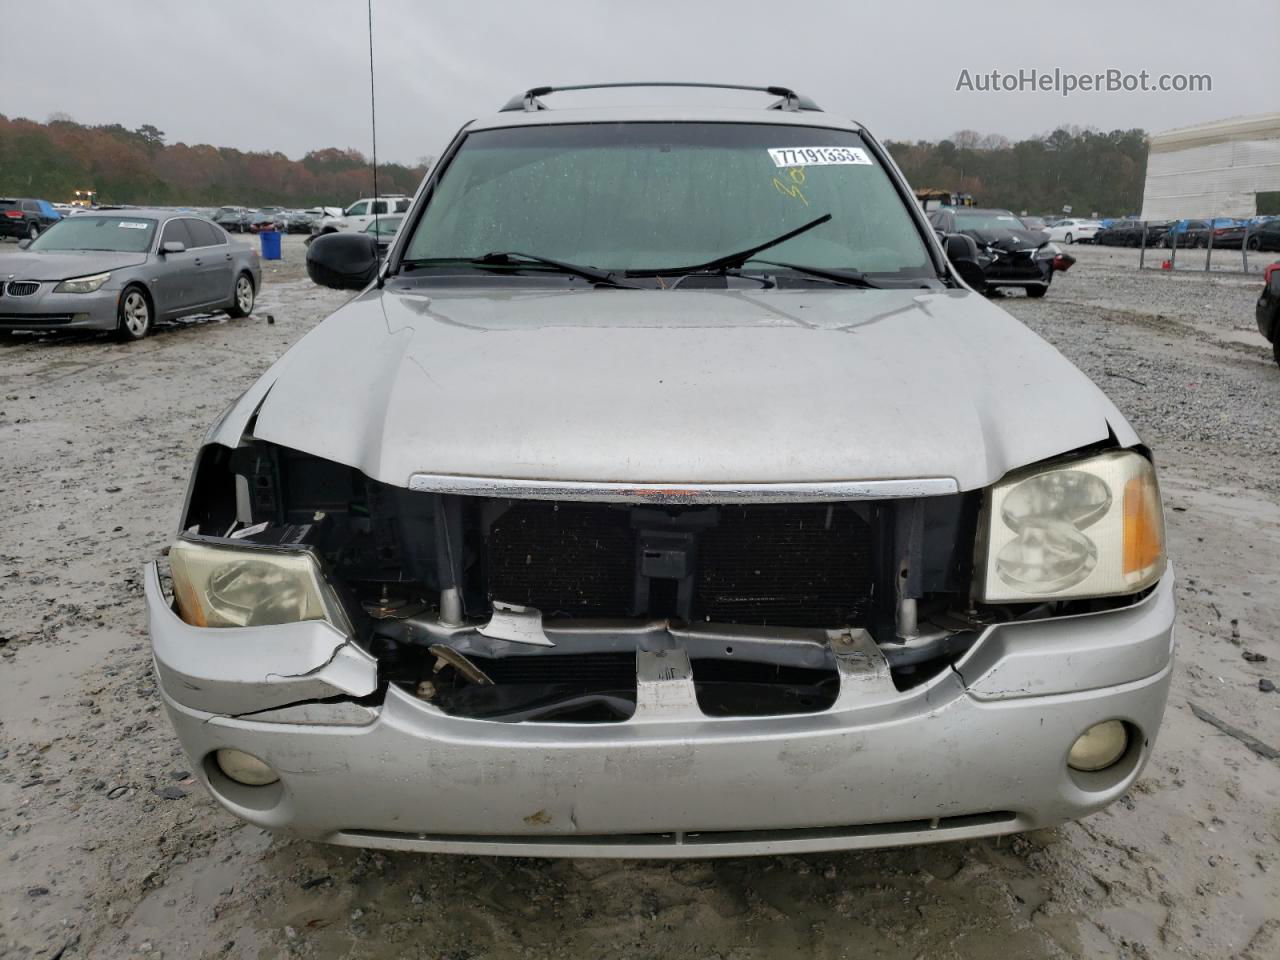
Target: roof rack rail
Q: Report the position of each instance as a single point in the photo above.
(530, 101)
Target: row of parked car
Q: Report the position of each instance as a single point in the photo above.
(246, 220)
(28, 217)
(1259, 233)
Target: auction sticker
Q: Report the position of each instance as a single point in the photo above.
(817, 156)
(132, 225)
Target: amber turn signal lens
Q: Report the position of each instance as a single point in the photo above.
(1143, 527)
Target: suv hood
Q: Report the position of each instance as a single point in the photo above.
(676, 386)
(1010, 240)
(25, 265)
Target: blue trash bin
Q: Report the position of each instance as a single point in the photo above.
(270, 244)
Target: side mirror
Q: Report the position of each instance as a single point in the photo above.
(24, 243)
(344, 261)
(962, 251)
(172, 246)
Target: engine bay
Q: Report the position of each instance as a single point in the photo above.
(511, 609)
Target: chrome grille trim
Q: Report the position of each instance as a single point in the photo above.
(22, 288)
(684, 493)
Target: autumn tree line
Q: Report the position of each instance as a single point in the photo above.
(1086, 169)
(53, 160)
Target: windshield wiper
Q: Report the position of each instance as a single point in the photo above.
(853, 278)
(732, 260)
(514, 258)
(763, 279)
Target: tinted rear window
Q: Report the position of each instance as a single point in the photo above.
(202, 234)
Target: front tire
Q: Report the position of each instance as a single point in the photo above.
(1070, 239)
(133, 315)
(243, 299)
(1037, 292)
(33, 231)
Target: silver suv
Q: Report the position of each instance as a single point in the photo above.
(667, 492)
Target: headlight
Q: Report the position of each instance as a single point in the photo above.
(1083, 528)
(83, 284)
(217, 586)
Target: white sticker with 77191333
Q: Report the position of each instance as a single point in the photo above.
(817, 156)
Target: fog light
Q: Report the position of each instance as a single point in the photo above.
(245, 768)
(1099, 747)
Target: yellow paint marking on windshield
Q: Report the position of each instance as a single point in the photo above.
(796, 176)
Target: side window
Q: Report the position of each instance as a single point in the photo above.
(30, 206)
(379, 207)
(402, 205)
(202, 234)
(357, 209)
(175, 230)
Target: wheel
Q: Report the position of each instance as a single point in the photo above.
(133, 315)
(33, 231)
(1037, 292)
(1275, 347)
(1255, 243)
(242, 306)
(1069, 239)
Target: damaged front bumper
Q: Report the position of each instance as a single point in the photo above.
(979, 749)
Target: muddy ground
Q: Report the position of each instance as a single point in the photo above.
(108, 849)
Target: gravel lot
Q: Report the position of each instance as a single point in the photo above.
(110, 850)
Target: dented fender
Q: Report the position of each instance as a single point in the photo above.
(239, 670)
(1064, 655)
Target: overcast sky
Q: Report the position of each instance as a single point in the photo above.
(292, 75)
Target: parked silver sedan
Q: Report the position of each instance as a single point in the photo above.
(123, 271)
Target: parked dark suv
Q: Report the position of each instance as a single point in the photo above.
(1009, 253)
(1268, 309)
(24, 217)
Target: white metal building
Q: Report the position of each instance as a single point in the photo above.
(1212, 170)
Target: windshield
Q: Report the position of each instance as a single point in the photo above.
(89, 232)
(988, 220)
(648, 196)
(384, 226)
